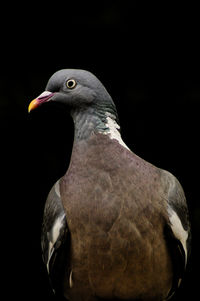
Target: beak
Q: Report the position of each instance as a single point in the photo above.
(44, 97)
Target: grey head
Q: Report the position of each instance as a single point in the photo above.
(80, 90)
(82, 94)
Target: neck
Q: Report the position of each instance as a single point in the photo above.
(90, 122)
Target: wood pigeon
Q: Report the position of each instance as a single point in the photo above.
(115, 227)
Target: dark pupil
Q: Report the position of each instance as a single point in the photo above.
(70, 83)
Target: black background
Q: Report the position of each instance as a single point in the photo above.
(148, 59)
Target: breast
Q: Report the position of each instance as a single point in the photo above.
(116, 224)
(116, 245)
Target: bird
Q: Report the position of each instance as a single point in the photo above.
(115, 227)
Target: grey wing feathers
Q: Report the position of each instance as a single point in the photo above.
(177, 231)
(179, 215)
(55, 237)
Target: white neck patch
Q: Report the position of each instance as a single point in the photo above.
(113, 130)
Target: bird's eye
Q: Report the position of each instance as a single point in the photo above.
(71, 84)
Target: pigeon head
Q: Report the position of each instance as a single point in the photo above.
(77, 90)
(83, 95)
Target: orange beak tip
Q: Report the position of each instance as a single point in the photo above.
(33, 104)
